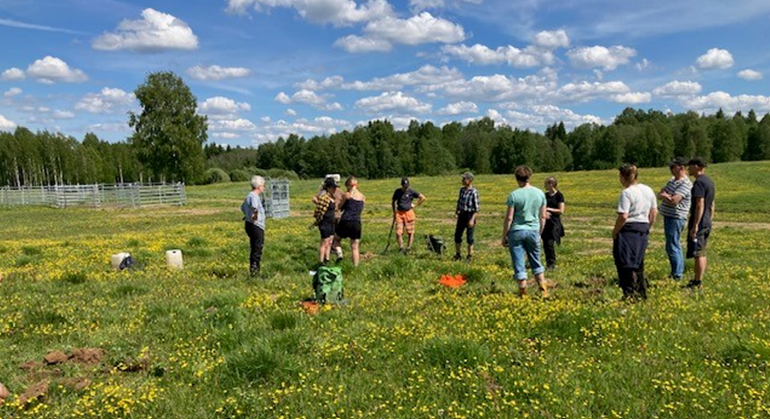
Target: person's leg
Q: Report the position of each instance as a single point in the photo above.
(458, 236)
(400, 224)
(672, 228)
(516, 249)
(411, 222)
(700, 268)
(532, 247)
(253, 245)
(354, 243)
(256, 257)
(549, 247)
(337, 242)
(470, 239)
(410, 240)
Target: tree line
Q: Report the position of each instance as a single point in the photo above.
(377, 150)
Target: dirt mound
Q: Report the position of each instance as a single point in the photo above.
(88, 356)
(35, 391)
(55, 357)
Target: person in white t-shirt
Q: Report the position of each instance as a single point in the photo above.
(637, 209)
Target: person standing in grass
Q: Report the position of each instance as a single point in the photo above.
(336, 248)
(403, 213)
(324, 218)
(553, 230)
(637, 209)
(524, 222)
(674, 206)
(254, 217)
(466, 211)
(701, 216)
(349, 226)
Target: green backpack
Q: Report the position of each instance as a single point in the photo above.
(327, 284)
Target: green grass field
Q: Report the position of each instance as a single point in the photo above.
(208, 342)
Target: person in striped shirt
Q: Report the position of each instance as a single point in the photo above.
(675, 199)
(466, 212)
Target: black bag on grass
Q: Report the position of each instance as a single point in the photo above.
(435, 244)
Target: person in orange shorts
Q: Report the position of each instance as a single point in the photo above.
(403, 213)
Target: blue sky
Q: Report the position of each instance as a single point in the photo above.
(261, 69)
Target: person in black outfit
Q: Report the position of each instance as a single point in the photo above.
(701, 215)
(554, 230)
(349, 226)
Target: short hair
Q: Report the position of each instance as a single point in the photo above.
(629, 172)
(257, 181)
(522, 173)
(350, 181)
(550, 180)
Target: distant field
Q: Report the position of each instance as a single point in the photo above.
(208, 342)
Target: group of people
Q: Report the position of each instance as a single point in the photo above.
(532, 216)
(637, 211)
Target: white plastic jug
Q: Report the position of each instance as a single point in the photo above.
(117, 259)
(174, 259)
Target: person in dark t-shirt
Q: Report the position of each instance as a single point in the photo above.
(553, 231)
(403, 213)
(701, 216)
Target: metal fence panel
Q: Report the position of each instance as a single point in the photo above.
(96, 195)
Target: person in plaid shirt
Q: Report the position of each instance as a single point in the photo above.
(466, 212)
(324, 218)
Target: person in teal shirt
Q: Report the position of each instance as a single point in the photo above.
(524, 222)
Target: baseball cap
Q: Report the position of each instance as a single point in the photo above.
(677, 161)
(697, 161)
(404, 181)
(468, 175)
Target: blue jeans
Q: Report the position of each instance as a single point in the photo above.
(521, 243)
(673, 229)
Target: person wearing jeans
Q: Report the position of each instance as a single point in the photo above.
(524, 222)
(674, 206)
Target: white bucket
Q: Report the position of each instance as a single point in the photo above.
(117, 259)
(174, 259)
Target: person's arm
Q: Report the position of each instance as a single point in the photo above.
(619, 222)
(476, 207)
(393, 204)
(697, 216)
(344, 199)
(507, 225)
(543, 213)
(420, 199)
(652, 215)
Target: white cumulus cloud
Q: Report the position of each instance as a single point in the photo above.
(515, 57)
(13, 91)
(6, 124)
(308, 97)
(395, 102)
(632, 98)
(678, 88)
(426, 75)
(728, 103)
(715, 58)
(551, 40)
(335, 12)
(585, 91)
(459, 108)
(219, 106)
(382, 34)
(108, 100)
(12, 73)
(215, 72)
(52, 70)
(599, 56)
(156, 31)
(750, 75)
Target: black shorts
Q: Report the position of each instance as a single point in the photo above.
(349, 229)
(697, 248)
(326, 229)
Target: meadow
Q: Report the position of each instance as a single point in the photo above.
(210, 342)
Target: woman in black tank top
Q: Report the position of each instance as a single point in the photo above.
(349, 226)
